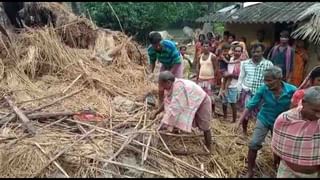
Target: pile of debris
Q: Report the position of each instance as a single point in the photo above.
(78, 110)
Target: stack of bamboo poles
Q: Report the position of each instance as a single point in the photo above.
(55, 141)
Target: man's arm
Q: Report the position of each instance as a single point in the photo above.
(161, 108)
(214, 63)
(256, 99)
(195, 60)
(253, 102)
(152, 59)
(241, 75)
(152, 67)
(158, 111)
(198, 70)
(189, 61)
(175, 57)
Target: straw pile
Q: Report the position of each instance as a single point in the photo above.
(44, 82)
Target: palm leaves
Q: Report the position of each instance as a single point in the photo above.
(309, 29)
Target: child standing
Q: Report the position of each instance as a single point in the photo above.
(229, 91)
(187, 61)
(223, 60)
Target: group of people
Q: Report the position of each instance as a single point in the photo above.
(263, 85)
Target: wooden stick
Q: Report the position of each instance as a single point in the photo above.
(73, 82)
(184, 145)
(147, 149)
(45, 97)
(192, 136)
(188, 166)
(56, 101)
(129, 139)
(54, 162)
(61, 152)
(204, 146)
(84, 132)
(124, 123)
(3, 121)
(49, 114)
(46, 126)
(22, 117)
(219, 167)
(165, 145)
(128, 166)
(188, 153)
(7, 119)
(143, 136)
(116, 16)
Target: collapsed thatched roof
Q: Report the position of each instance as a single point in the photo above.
(310, 29)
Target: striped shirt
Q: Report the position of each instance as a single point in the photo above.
(296, 140)
(168, 56)
(251, 74)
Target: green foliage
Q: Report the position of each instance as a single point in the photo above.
(143, 17)
(218, 27)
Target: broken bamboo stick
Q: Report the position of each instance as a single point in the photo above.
(54, 162)
(63, 151)
(73, 82)
(56, 101)
(171, 157)
(3, 121)
(37, 99)
(49, 114)
(147, 148)
(21, 115)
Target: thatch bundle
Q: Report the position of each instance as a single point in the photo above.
(75, 31)
(41, 13)
(50, 82)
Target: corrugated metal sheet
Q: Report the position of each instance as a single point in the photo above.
(266, 12)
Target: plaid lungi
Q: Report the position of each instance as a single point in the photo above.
(285, 172)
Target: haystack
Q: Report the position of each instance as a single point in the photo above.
(76, 32)
(45, 83)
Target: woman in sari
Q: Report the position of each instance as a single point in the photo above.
(300, 61)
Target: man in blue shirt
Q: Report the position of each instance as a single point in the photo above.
(167, 53)
(275, 96)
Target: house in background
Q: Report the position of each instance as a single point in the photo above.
(245, 19)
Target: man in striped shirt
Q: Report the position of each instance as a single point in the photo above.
(251, 78)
